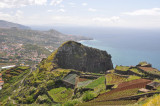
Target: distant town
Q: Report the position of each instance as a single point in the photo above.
(15, 53)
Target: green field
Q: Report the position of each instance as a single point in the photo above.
(61, 94)
(122, 68)
(95, 83)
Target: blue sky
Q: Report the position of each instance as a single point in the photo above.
(100, 13)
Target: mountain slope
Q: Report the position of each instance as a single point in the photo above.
(6, 24)
(46, 80)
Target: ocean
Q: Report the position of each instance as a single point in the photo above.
(127, 46)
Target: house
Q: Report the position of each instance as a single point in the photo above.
(143, 90)
(70, 79)
(74, 78)
(1, 81)
(152, 85)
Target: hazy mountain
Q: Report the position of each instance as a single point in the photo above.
(6, 24)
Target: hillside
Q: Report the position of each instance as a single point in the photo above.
(28, 46)
(6, 24)
(53, 83)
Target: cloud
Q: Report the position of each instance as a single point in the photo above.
(61, 10)
(92, 10)
(49, 11)
(20, 3)
(15, 17)
(40, 2)
(61, 6)
(152, 12)
(84, 4)
(72, 4)
(106, 19)
(56, 2)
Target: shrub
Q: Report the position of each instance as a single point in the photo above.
(71, 103)
(88, 96)
(43, 99)
(50, 84)
(30, 99)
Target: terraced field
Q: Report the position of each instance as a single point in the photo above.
(109, 103)
(135, 70)
(134, 83)
(61, 94)
(150, 70)
(124, 89)
(122, 68)
(95, 83)
(114, 79)
(110, 96)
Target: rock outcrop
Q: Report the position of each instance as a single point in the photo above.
(73, 55)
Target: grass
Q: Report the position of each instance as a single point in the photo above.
(116, 95)
(135, 70)
(61, 94)
(153, 101)
(122, 68)
(114, 79)
(12, 81)
(95, 83)
(132, 77)
(84, 83)
(109, 103)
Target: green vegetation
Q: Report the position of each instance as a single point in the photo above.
(40, 50)
(50, 84)
(118, 94)
(88, 96)
(61, 94)
(133, 77)
(122, 68)
(109, 103)
(143, 63)
(114, 79)
(12, 78)
(152, 101)
(71, 103)
(135, 70)
(95, 83)
(84, 83)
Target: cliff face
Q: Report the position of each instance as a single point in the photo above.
(73, 55)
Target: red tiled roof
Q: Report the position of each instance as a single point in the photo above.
(1, 81)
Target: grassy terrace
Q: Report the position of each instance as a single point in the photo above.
(116, 95)
(132, 77)
(114, 79)
(122, 68)
(109, 103)
(61, 94)
(95, 83)
(135, 70)
(103, 99)
(12, 78)
(152, 101)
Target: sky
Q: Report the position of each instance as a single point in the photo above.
(98, 13)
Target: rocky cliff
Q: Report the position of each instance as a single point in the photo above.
(73, 55)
